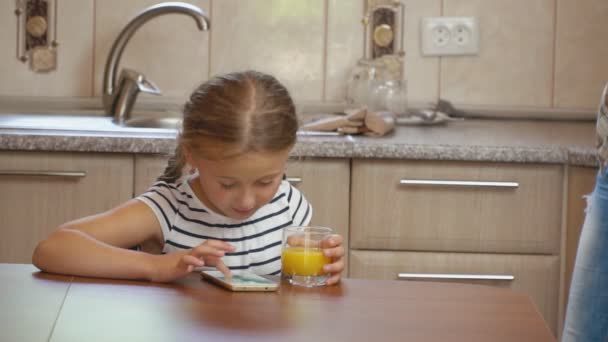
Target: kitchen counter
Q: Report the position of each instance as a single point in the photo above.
(525, 141)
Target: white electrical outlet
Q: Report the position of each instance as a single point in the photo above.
(449, 36)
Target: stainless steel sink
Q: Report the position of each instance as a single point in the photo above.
(92, 123)
(165, 123)
(83, 123)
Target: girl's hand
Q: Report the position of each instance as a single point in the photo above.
(332, 248)
(177, 265)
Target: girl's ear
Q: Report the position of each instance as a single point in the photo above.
(188, 155)
(189, 167)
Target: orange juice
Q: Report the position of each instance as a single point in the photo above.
(303, 261)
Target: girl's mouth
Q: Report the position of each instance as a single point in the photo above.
(243, 211)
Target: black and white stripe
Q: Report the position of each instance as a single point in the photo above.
(186, 222)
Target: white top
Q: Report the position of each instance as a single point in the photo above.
(186, 222)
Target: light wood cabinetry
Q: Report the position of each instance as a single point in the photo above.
(536, 275)
(147, 169)
(42, 190)
(499, 217)
(502, 217)
(505, 219)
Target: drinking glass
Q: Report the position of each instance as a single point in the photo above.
(302, 257)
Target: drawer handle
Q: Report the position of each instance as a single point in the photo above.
(294, 180)
(459, 183)
(68, 174)
(455, 276)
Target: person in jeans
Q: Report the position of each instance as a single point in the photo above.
(587, 312)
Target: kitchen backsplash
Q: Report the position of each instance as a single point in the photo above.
(533, 53)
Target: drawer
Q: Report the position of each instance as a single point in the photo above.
(41, 190)
(535, 275)
(513, 208)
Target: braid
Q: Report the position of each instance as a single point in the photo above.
(175, 164)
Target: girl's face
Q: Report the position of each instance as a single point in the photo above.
(239, 186)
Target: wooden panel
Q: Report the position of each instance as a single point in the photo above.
(581, 181)
(147, 169)
(535, 275)
(31, 207)
(386, 215)
(30, 302)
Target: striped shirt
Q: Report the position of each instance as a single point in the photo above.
(186, 222)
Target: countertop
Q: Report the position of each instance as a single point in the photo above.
(525, 141)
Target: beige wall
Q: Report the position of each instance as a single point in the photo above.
(534, 53)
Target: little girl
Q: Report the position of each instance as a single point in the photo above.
(228, 212)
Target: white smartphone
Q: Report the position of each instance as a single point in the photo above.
(241, 281)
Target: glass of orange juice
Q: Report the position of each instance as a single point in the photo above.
(302, 258)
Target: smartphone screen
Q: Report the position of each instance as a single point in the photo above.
(241, 281)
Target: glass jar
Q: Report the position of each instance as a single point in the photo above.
(376, 84)
(390, 95)
(363, 80)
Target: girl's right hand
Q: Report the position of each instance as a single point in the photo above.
(173, 266)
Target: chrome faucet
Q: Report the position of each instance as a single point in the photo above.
(119, 98)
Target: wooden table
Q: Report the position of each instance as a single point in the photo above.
(37, 306)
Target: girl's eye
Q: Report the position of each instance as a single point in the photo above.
(265, 182)
(227, 185)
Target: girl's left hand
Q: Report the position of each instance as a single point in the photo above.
(332, 248)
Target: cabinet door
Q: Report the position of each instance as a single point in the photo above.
(40, 191)
(456, 206)
(147, 169)
(536, 275)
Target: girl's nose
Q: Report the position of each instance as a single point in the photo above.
(246, 200)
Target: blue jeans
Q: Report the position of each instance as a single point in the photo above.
(587, 312)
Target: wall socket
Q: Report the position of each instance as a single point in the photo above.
(449, 36)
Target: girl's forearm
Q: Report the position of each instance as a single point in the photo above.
(70, 251)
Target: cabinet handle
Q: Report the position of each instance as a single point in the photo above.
(455, 276)
(459, 183)
(68, 174)
(294, 180)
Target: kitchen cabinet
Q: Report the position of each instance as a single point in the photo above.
(324, 182)
(502, 217)
(536, 275)
(41, 190)
(148, 167)
(460, 217)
